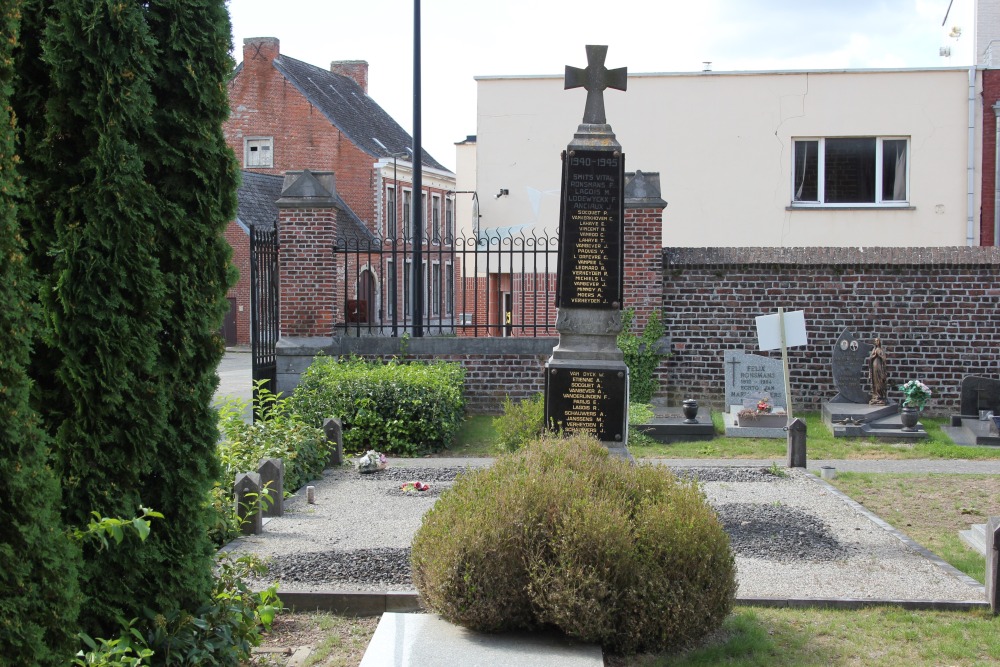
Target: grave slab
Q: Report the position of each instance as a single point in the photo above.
(426, 640)
(667, 425)
(857, 420)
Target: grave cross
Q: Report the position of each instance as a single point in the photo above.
(732, 371)
(595, 78)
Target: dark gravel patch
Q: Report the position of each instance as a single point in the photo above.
(723, 474)
(357, 566)
(774, 532)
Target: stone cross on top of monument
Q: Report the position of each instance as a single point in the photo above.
(595, 79)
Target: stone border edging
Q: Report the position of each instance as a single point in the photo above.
(365, 603)
(901, 536)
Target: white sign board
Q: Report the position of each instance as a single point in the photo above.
(769, 330)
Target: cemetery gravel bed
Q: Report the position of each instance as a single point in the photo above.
(792, 537)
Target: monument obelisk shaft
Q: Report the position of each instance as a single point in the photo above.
(586, 379)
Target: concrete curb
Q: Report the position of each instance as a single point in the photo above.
(367, 603)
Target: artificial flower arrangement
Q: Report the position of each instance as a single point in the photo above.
(372, 461)
(764, 406)
(915, 394)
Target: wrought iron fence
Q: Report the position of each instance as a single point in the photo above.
(496, 283)
(264, 304)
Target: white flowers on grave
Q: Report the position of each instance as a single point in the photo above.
(372, 461)
(915, 394)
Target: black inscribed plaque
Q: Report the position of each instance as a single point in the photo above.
(587, 400)
(591, 230)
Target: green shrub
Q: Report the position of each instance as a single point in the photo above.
(302, 447)
(561, 534)
(642, 355)
(520, 422)
(390, 407)
(222, 632)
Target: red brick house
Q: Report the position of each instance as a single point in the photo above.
(287, 115)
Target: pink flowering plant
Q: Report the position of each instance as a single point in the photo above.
(915, 394)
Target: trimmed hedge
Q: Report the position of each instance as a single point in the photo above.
(561, 535)
(391, 407)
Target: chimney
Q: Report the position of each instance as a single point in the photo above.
(353, 69)
(260, 50)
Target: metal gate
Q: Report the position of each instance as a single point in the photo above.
(264, 305)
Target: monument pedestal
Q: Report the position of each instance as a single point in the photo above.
(859, 420)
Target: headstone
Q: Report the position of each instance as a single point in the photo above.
(979, 393)
(272, 481)
(586, 379)
(247, 493)
(848, 363)
(334, 430)
(753, 377)
(797, 444)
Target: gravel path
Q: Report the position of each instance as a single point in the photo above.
(794, 536)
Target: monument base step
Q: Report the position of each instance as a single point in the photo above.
(967, 430)
(667, 425)
(857, 420)
(734, 430)
(975, 537)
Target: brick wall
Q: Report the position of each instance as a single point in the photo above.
(937, 311)
(643, 267)
(310, 292)
(495, 367)
(240, 242)
(991, 96)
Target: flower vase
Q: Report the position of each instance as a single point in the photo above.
(909, 415)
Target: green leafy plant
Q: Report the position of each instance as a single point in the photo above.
(283, 435)
(559, 534)
(100, 528)
(639, 413)
(642, 354)
(394, 408)
(127, 650)
(520, 422)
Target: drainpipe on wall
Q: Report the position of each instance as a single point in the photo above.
(996, 177)
(970, 227)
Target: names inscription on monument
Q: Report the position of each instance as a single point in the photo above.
(753, 376)
(585, 400)
(591, 230)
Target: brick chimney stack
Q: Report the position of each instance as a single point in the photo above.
(354, 69)
(260, 50)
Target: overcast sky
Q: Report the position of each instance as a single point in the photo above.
(463, 39)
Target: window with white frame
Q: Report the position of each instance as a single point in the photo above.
(436, 219)
(449, 220)
(427, 219)
(390, 212)
(390, 287)
(851, 171)
(407, 214)
(258, 152)
(435, 289)
(407, 270)
(449, 289)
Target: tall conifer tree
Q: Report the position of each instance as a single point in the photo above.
(104, 293)
(195, 175)
(38, 593)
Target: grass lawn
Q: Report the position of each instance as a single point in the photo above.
(820, 444)
(477, 437)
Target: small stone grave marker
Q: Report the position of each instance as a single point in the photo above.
(752, 377)
(247, 493)
(272, 481)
